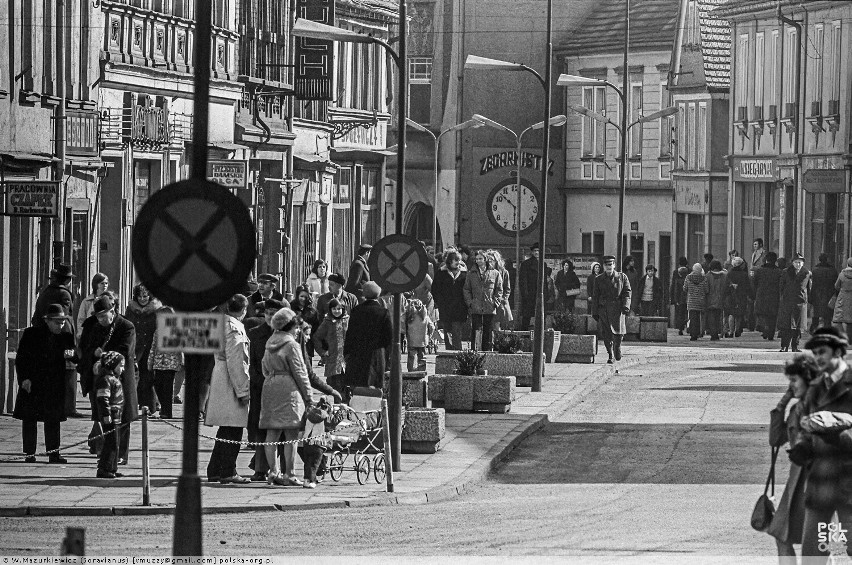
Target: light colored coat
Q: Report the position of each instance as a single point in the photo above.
(316, 285)
(483, 291)
(332, 333)
(843, 306)
(286, 388)
(230, 380)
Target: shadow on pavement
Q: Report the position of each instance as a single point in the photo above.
(746, 368)
(578, 453)
(763, 389)
(88, 482)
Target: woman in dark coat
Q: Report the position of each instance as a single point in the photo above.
(106, 330)
(448, 290)
(793, 307)
(822, 289)
(738, 293)
(142, 313)
(40, 369)
(370, 333)
(678, 296)
(567, 286)
(767, 291)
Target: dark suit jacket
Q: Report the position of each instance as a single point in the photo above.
(359, 273)
(256, 298)
(258, 336)
(348, 300)
(656, 293)
(55, 293)
(122, 340)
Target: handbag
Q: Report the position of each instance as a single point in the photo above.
(764, 509)
(777, 428)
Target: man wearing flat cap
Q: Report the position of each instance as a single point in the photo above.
(610, 303)
(106, 330)
(828, 451)
(40, 370)
(793, 308)
(266, 290)
(369, 335)
(336, 283)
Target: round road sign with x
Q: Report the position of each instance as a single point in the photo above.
(193, 244)
(398, 263)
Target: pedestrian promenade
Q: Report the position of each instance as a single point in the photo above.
(474, 444)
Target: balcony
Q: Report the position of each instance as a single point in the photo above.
(741, 123)
(815, 117)
(144, 127)
(790, 118)
(833, 116)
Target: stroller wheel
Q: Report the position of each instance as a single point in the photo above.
(335, 467)
(362, 469)
(379, 468)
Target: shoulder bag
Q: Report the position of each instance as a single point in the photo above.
(764, 510)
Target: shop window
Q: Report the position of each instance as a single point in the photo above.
(593, 243)
(753, 216)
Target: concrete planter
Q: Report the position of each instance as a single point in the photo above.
(653, 329)
(551, 342)
(424, 430)
(633, 326)
(414, 389)
(463, 393)
(577, 349)
(517, 365)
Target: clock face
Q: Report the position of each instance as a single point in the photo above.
(503, 205)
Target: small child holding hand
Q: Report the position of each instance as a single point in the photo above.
(110, 402)
(418, 328)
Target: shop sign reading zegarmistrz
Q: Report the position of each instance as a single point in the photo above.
(36, 198)
(196, 332)
(228, 173)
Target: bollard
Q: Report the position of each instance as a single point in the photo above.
(74, 542)
(386, 444)
(146, 475)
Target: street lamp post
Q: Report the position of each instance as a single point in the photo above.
(546, 83)
(316, 30)
(473, 123)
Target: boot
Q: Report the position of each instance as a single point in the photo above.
(617, 347)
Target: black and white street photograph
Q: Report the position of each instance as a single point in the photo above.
(425, 281)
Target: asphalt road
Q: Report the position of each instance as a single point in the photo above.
(659, 462)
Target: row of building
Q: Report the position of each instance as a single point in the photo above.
(96, 95)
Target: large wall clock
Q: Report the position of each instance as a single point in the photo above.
(502, 204)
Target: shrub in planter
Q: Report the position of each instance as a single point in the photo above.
(565, 322)
(469, 362)
(508, 342)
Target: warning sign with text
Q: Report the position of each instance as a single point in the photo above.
(184, 332)
(228, 173)
(31, 198)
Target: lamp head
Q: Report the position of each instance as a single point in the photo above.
(316, 30)
(575, 80)
(477, 62)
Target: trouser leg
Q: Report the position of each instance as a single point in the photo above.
(107, 460)
(70, 392)
(145, 387)
(95, 445)
(52, 435)
(311, 457)
(616, 346)
(230, 451)
(411, 354)
(487, 334)
(29, 434)
(694, 323)
(180, 375)
(124, 442)
(164, 383)
(475, 325)
(457, 335)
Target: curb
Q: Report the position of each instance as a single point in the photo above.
(476, 472)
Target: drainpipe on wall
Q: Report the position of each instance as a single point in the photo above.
(289, 172)
(59, 223)
(791, 217)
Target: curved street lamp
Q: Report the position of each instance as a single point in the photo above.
(472, 123)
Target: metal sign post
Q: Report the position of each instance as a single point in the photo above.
(187, 529)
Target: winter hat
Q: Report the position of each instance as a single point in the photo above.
(697, 268)
(371, 290)
(337, 278)
(282, 318)
(737, 261)
(110, 360)
(104, 303)
(829, 336)
(55, 312)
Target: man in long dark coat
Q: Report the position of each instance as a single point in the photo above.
(106, 330)
(610, 303)
(767, 285)
(369, 334)
(793, 309)
(40, 370)
(528, 287)
(359, 273)
(823, 277)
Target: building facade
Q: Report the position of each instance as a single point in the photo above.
(590, 191)
(789, 128)
(699, 84)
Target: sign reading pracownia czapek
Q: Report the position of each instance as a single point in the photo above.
(31, 198)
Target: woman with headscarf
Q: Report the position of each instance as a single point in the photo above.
(695, 289)
(286, 393)
(738, 293)
(567, 286)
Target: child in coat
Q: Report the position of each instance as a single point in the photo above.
(110, 403)
(418, 328)
(329, 338)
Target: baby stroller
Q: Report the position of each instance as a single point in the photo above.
(356, 430)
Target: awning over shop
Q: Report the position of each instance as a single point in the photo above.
(369, 155)
(314, 162)
(20, 161)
